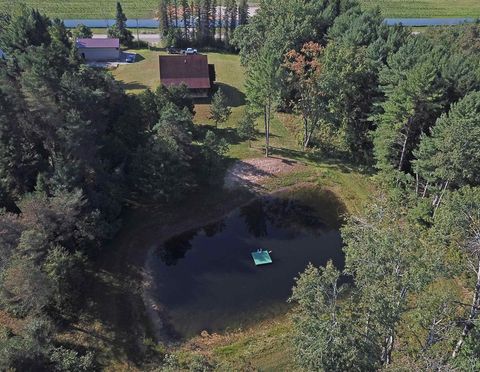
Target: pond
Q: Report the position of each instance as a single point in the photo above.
(206, 279)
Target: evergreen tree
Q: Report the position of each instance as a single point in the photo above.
(186, 18)
(219, 110)
(243, 12)
(451, 154)
(410, 108)
(120, 30)
(262, 89)
(82, 31)
(162, 14)
(214, 148)
(246, 127)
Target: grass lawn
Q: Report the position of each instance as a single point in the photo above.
(230, 78)
(75, 9)
(140, 75)
(426, 8)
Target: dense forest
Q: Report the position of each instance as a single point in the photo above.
(75, 150)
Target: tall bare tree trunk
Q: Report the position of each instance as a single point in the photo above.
(404, 147)
(266, 130)
(387, 350)
(175, 4)
(267, 127)
(305, 133)
(439, 200)
(425, 190)
(469, 323)
(220, 20)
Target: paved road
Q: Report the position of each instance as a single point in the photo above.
(149, 38)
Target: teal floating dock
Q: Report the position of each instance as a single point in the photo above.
(261, 258)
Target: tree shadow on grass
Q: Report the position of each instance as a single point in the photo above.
(235, 98)
(229, 134)
(133, 85)
(139, 58)
(341, 162)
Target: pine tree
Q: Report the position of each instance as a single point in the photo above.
(213, 21)
(451, 153)
(164, 24)
(246, 127)
(410, 108)
(82, 31)
(262, 88)
(186, 17)
(243, 12)
(119, 29)
(219, 110)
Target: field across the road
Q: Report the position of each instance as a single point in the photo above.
(426, 8)
(100, 9)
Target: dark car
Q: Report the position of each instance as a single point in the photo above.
(173, 50)
(130, 58)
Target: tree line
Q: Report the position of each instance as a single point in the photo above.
(407, 106)
(201, 22)
(74, 150)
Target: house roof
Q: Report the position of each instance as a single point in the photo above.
(191, 70)
(98, 43)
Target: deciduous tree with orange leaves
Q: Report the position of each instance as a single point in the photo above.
(305, 68)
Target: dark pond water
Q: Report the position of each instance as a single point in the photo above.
(206, 279)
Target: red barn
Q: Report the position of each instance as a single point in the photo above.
(191, 70)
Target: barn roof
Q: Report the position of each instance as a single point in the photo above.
(192, 70)
(98, 43)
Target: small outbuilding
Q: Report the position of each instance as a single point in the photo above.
(191, 70)
(2, 55)
(99, 50)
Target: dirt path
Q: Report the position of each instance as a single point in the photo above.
(252, 173)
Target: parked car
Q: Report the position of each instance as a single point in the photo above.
(191, 51)
(130, 58)
(173, 50)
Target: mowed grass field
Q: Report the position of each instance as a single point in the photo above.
(74, 9)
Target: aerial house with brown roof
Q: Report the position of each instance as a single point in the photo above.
(191, 70)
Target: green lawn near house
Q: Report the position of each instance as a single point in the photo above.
(230, 77)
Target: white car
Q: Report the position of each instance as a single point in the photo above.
(191, 51)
